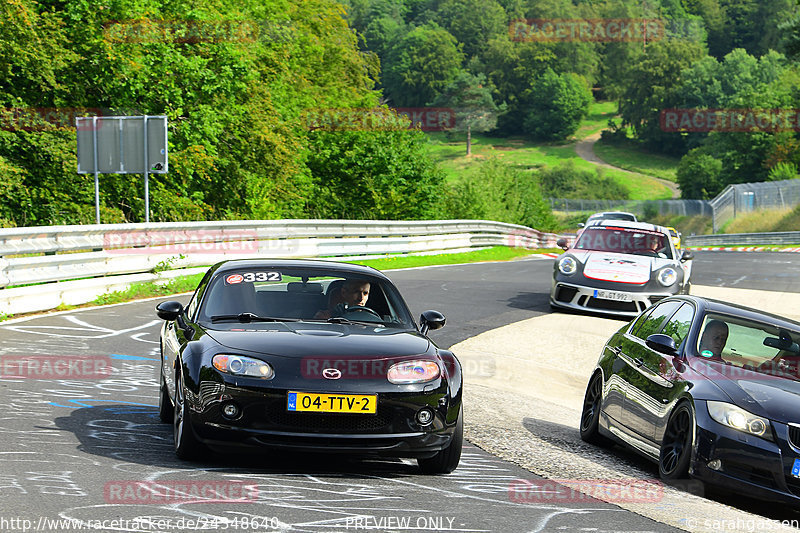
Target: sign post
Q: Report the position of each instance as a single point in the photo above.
(122, 145)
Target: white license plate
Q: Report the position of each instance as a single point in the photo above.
(612, 295)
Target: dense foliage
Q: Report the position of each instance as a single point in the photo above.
(242, 81)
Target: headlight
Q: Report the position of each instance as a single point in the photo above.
(567, 265)
(242, 366)
(737, 418)
(413, 372)
(667, 276)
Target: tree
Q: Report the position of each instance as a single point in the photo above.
(420, 65)
(555, 106)
(472, 102)
(698, 175)
(461, 19)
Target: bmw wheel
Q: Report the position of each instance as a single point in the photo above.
(590, 414)
(676, 446)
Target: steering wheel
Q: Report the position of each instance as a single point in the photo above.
(355, 308)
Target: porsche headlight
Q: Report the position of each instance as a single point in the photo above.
(413, 372)
(737, 418)
(667, 276)
(567, 265)
(239, 365)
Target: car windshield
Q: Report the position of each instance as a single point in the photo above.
(282, 295)
(611, 216)
(750, 345)
(625, 241)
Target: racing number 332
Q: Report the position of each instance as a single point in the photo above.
(332, 403)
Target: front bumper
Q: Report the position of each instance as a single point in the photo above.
(749, 465)
(264, 421)
(584, 298)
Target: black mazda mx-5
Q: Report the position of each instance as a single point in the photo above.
(312, 356)
(709, 390)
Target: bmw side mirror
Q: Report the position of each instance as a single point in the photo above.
(686, 256)
(581, 224)
(430, 320)
(169, 310)
(662, 344)
(562, 243)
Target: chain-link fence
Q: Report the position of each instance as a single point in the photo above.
(641, 208)
(735, 200)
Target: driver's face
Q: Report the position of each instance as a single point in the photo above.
(357, 295)
(714, 339)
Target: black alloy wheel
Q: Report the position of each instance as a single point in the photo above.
(676, 447)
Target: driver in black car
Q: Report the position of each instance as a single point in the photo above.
(353, 292)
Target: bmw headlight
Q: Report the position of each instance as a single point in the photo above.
(239, 365)
(567, 265)
(413, 372)
(737, 418)
(667, 276)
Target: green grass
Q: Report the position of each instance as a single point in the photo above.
(597, 119)
(765, 220)
(497, 253)
(150, 289)
(528, 155)
(636, 159)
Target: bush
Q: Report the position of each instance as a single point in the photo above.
(497, 191)
(699, 176)
(568, 181)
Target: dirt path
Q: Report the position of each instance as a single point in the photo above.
(585, 150)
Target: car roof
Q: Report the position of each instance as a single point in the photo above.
(343, 268)
(629, 224)
(602, 214)
(711, 305)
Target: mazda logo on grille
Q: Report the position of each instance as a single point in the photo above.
(331, 373)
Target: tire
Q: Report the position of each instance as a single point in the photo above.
(166, 411)
(186, 445)
(590, 413)
(446, 460)
(676, 446)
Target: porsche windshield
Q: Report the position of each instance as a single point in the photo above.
(274, 295)
(625, 241)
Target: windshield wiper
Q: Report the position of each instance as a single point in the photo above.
(342, 320)
(251, 317)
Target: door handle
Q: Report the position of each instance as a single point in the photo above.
(639, 361)
(616, 350)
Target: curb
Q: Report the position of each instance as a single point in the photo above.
(742, 249)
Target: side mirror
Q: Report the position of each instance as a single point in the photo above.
(581, 224)
(686, 255)
(562, 243)
(169, 310)
(430, 320)
(662, 344)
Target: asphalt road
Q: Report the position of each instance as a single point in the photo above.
(72, 448)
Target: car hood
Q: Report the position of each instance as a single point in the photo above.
(621, 268)
(763, 394)
(304, 340)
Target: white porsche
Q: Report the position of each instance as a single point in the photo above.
(619, 267)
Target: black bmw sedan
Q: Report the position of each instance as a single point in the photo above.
(308, 355)
(708, 390)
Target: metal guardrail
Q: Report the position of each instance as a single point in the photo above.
(43, 267)
(782, 238)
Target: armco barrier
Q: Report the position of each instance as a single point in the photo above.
(44, 267)
(782, 238)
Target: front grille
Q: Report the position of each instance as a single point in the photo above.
(794, 485)
(749, 473)
(278, 416)
(794, 435)
(565, 294)
(611, 305)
